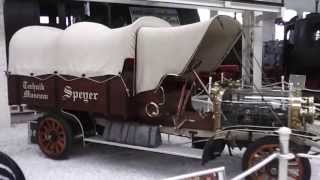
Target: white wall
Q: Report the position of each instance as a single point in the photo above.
(4, 108)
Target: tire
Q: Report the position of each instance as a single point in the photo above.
(9, 168)
(54, 137)
(267, 146)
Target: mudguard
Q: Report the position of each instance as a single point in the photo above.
(212, 150)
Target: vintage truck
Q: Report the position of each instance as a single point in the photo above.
(129, 86)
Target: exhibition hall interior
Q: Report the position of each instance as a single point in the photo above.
(159, 89)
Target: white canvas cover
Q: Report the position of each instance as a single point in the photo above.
(83, 48)
(96, 50)
(162, 51)
(32, 50)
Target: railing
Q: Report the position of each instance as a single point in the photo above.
(211, 174)
(284, 156)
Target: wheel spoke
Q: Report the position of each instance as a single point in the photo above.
(294, 176)
(49, 124)
(261, 150)
(55, 125)
(262, 177)
(60, 143)
(52, 137)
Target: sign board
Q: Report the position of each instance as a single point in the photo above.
(82, 94)
(37, 92)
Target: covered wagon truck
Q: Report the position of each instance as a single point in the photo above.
(129, 86)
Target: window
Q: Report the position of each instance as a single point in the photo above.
(204, 14)
(279, 30)
(44, 19)
(317, 35)
(288, 35)
(288, 14)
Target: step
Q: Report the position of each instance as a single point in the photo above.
(165, 148)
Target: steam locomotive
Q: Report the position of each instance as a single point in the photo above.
(297, 54)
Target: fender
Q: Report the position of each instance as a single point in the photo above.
(212, 150)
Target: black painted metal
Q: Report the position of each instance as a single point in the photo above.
(18, 14)
(302, 48)
(21, 13)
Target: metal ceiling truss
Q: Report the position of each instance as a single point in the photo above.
(238, 5)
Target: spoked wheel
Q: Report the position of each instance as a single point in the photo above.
(298, 168)
(54, 137)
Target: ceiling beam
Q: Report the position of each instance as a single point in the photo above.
(209, 4)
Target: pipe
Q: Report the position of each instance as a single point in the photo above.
(220, 171)
(209, 90)
(201, 83)
(308, 156)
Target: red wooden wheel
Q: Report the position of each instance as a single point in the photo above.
(298, 168)
(54, 137)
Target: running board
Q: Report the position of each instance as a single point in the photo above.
(171, 149)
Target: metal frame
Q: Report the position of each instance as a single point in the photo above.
(241, 132)
(77, 120)
(211, 4)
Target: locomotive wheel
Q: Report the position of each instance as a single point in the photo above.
(298, 169)
(54, 137)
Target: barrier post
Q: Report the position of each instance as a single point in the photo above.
(284, 137)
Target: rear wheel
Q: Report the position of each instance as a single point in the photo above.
(298, 169)
(54, 137)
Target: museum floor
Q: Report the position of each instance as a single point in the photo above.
(106, 162)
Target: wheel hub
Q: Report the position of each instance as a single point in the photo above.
(52, 136)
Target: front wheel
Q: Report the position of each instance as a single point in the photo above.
(298, 168)
(54, 137)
